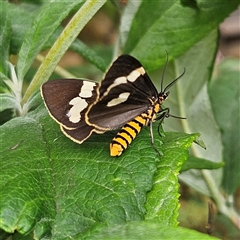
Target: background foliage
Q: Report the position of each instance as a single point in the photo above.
(54, 188)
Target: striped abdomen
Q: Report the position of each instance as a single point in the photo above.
(127, 133)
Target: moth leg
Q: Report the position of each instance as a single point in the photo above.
(152, 139)
(164, 114)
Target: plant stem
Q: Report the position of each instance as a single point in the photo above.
(220, 200)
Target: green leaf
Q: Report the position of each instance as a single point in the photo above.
(27, 190)
(164, 194)
(89, 54)
(126, 21)
(224, 92)
(43, 26)
(55, 187)
(189, 98)
(25, 13)
(5, 33)
(200, 142)
(183, 94)
(190, 3)
(8, 101)
(200, 163)
(34, 101)
(20, 13)
(168, 25)
(71, 31)
(147, 230)
(4, 81)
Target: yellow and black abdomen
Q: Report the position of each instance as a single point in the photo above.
(127, 133)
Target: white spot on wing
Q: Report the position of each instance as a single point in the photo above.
(132, 77)
(117, 81)
(120, 99)
(78, 105)
(124, 79)
(87, 89)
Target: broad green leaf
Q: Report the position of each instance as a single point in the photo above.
(168, 25)
(5, 33)
(224, 92)
(43, 26)
(147, 230)
(200, 163)
(162, 202)
(58, 188)
(26, 186)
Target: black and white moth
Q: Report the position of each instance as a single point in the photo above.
(125, 98)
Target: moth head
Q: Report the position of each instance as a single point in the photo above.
(163, 96)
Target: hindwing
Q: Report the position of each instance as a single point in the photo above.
(67, 102)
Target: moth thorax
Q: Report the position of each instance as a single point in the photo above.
(151, 114)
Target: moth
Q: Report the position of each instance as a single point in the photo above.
(125, 98)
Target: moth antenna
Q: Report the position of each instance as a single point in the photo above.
(174, 81)
(164, 70)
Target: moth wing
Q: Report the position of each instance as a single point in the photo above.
(68, 100)
(127, 66)
(123, 94)
(81, 133)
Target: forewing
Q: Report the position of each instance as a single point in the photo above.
(124, 94)
(127, 66)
